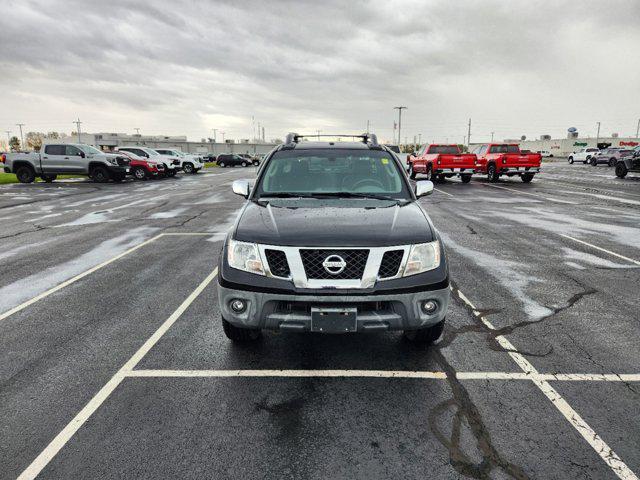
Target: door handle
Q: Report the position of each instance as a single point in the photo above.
(66, 158)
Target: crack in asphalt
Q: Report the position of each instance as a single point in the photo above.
(17, 234)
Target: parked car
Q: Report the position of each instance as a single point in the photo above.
(333, 239)
(232, 159)
(189, 163)
(251, 158)
(497, 159)
(610, 156)
(209, 157)
(171, 164)
(62, 159)
(438, 161)
(583, 155)
(143, 168)
(628, 163)
(545, 153)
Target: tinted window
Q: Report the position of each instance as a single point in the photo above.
(72, 151)
(54, 149)
(333, 171)
(505, 149)
(447, 149)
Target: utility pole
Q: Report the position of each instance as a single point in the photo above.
(399, 121)
(21, 139)
(254, 138)
(78, 123)
(638, 129)
(469, 134)
(492, 136)
(263, 135)
(598, 135)
(368, 127)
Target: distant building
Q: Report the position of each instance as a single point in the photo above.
(108, 141)
(564, 146)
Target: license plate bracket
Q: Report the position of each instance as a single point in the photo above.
(334, 319)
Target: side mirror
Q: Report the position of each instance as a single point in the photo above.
(241, 187)
(423, 188)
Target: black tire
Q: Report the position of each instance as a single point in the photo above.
(412, 172)
(221, 164)
(139, 173)
(526, 177)
(100, 174)
(244, 164)
(425, 336)
(240, 335)
(188, 168)
(172, 173)
(594, 162)
(441, 177)
(612, 162)
(48, 178)
(465, 178)
(25, 174)
(492, 173)
(621, 170)
(570, 160)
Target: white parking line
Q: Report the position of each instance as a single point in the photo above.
(74, 425)
(597, 443)
(553, 377)
(442, 191)
(532, 194)
(631, 260)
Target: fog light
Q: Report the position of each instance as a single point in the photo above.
(429, 306)
(237, 305)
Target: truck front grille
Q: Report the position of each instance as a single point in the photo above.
(278, 264)
(390, 263)
(355, 261)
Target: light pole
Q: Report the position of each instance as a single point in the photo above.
(419, 140)
(492, 136)
(469, 134)
(21, 139)
(598, 135)
(78, 123)
(399, 121)
(215, 131)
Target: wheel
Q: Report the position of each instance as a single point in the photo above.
(465, 178)
(25, 174)
(441, 177)
(187, 168)
(570, 160)
(171, 173)
(594, 162)
(412, 172)
(240, 334)
(425, 336)
(256, 163)
(244, 164)
(612, 162)
(221, 164)
(139, 173)
(100, 174)
(551, 155)
(492, 173)
(526, 177)
(621, 170)
(48, 177)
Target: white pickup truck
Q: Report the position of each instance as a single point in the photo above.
(64, 159)
(188, 162)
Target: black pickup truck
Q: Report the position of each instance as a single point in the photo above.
(333, 239)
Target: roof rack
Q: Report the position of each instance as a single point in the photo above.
(368, 138)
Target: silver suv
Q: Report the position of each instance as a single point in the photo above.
(610, 156)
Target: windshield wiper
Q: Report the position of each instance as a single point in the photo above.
(357, 195)
(284, 195)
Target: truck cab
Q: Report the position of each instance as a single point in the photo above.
(498, 159)
(440, 161)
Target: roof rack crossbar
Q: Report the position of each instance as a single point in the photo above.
(366, 137)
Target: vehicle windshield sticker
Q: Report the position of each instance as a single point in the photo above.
(385, 161)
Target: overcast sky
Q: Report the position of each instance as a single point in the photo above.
(185, 67)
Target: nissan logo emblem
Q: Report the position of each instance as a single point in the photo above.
(334, 264)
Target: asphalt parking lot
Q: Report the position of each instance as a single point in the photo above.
(113, 362)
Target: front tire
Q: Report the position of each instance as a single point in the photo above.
(612, 162)
(425, 336)
(187, 168)
(244, 164)
(100, 175)
(222, 165)
(621, 170)
(25, 175)
(594, 162)
(465, 178)
(139, 173)
(492, 173)
(570, 160)
(240, 335)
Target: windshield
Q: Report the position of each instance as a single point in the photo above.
(447, 149)
(505, 149)
(339, 172)
(151, 153)
(89, 149)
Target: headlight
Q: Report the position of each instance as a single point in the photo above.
(244, 256)
(422, 258)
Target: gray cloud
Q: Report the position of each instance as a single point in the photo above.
(186, 67)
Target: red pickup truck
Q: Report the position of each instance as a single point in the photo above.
(438, 161)
(497, 159)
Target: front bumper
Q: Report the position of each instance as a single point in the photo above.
(281, 311)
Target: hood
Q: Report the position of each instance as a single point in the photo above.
(358, 224)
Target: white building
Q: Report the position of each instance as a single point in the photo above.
(562, 147)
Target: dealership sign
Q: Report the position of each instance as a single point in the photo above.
(629, 144)
(579, 144)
